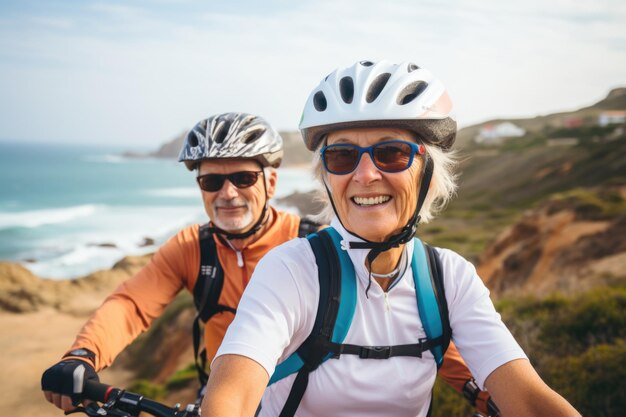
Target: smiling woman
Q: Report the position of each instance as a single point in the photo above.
(381, 130)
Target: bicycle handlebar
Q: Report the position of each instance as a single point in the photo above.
(96, 391)
(118, 402)
(121, 403)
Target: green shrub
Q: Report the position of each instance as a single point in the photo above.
(147, 389)
(608, 202)
(567, 325)
(594, 318)
(594, 381)
(449, 403)
(182, 378)
(577, 344)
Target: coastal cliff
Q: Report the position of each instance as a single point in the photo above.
(23, 292)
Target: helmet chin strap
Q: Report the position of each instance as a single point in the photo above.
(263, 218)
(408, 231)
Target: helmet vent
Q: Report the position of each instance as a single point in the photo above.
(412, 67)
(366, 63)
(410, 92)
(192, 139)
(346, 87)
(377, 87)
(246, 122)
(221, 131)
(253, 135)
(319, 101)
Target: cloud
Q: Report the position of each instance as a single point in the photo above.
(144, 73)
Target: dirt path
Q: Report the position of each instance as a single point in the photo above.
(29, 344)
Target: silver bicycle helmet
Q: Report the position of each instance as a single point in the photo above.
(380, 94)
(232, 135)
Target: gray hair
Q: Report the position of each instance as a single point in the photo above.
(443, 184)
(267, 172)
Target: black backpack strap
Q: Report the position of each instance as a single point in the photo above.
(436, 270)
(208, 288)
(313, 351)
(307, 226)
(436, 275)
(382, 352)
(206, 294)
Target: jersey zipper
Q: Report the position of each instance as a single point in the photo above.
(239, 258)
(391, 337)
(238, 253)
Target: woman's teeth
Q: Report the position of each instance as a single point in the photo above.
(370, 201)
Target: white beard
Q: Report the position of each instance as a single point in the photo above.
(232, 225)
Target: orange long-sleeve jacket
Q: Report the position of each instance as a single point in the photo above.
(132, 307)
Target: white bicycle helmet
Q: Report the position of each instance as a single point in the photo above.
(232, 135)
(380, 94)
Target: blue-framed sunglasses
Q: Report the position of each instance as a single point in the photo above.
(388, 156)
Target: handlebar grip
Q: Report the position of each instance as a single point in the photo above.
(94, 390)
(130, 403)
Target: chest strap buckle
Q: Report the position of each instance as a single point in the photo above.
(375, 352)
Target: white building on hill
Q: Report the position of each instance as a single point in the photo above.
(495, 134)
(612, 117)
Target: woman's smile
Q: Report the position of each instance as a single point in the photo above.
(371, 201)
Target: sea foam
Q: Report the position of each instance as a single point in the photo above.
(106, 158)
(97, 242)
(36, 218)
(179, 192)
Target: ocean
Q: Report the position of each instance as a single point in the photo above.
(68, 210)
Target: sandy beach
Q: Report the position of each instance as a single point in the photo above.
(30, 343)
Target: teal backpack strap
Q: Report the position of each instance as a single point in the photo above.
(431, 300)
(333, 264)
(336, 305)
(347, 305)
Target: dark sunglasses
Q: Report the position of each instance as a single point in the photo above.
(388, 156)
(214, 182)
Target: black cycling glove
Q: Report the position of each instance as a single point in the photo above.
(68, 378)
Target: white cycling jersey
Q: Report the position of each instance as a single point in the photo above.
(278, 309)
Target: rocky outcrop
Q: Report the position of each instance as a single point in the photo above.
(568, 244)
(167, 342)
(21, 291)
(170, 149)
(307, 204)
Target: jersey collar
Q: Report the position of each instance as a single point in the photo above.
(358, 256)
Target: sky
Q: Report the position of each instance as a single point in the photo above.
(138, 73)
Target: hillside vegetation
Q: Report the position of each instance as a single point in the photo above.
(577, 344)
(547, 227)
(615, 100)
(499, 184)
